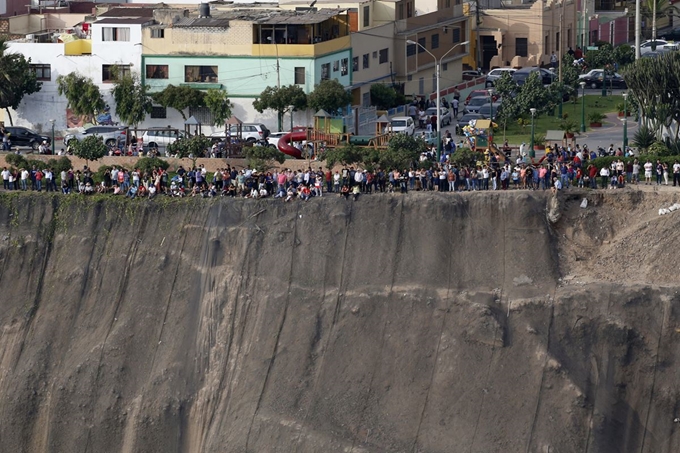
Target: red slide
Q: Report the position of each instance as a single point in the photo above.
(286, 148)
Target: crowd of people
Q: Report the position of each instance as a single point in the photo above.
(560, 169)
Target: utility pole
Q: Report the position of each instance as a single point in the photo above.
(478, 53)
(586, 27)
(654, 25)
(637, 29)
(560, 53)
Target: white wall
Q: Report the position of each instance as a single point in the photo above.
(36, 110)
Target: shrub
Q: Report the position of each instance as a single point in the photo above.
(61, 164)
(40, 165)
(16, 160)
(595, 117)
(148, 164)
(658, 149)
(644, 138)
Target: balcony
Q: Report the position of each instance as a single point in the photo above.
(301, 50)
(78, 47)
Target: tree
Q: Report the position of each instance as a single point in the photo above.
(217, 101)
(401, 152)
(534, 95)
(330, 96)
(346, 155)
(507, 89)
(180, 98)
(132, 101)
(659, 102)
(383, 96)
(18, 80)
(90, 148)
(280, 99)
(192, 148)
(262, 158)
(82, 95)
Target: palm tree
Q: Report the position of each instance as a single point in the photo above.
(654, 9)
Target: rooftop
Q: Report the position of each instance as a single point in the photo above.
(128, 12)
(126, 20)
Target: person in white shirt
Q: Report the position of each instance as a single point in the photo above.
(648, 172)
(24, 179)
(676, 173)
(557, 185)
(604, 174)
(5, 178)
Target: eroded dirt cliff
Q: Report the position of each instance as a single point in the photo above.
(426, 323)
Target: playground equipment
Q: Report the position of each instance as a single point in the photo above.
(320, 140)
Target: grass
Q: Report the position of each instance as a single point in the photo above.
(515, 135)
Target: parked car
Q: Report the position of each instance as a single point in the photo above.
(446, 115)
(672, 35)
(24, 137)
(496, 74)
(595, 77)
(111, 135)
(250, 132)
(472, 74)
(475, 103)
(661, 45)
(401, 125)
(465, 119)
(489, 111)
(155, 137)
(477, 93)
(520, 76)
(429, 137)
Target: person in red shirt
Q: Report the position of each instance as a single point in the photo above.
(592, 174)
(38, 180)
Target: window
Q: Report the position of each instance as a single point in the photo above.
(156, 71)
(159, 112)
(111, 71)
(546, 45)
(410, 50)
(325, 71)
(343, 66)
(522, 47)
(384, 55)
(355, 64)
(366, 61)
(42, 71)
(409, 77)
(445, 66)
(202, 114)
(200, 74)
(455, 35)
(447, 3)
(336, 65)
(558, 42)
(300, 75)
(409, 9)
(366, 99)
(158, 33)
(115, 34)
(367, 16)
(400, 11)
(423, 45)
(435, 40)
(421, 85)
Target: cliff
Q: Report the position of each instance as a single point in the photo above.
(425, 323)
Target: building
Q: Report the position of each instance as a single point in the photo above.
(92, 47)
(245, 50)
(525, 34)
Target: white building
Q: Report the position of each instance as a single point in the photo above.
(92, 50)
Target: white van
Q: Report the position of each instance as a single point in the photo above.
(401, 125)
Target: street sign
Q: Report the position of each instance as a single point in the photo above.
(592, 48)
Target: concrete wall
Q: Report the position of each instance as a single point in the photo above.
(381, 37)
(236, 39)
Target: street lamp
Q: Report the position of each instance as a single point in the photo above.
(625, 123)
(583, 106)
(439, 111)
(490, 91)
(53, 121)
(532, 153)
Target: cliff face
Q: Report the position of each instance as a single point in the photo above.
(422, 324)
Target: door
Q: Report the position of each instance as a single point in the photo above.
(489, 50)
